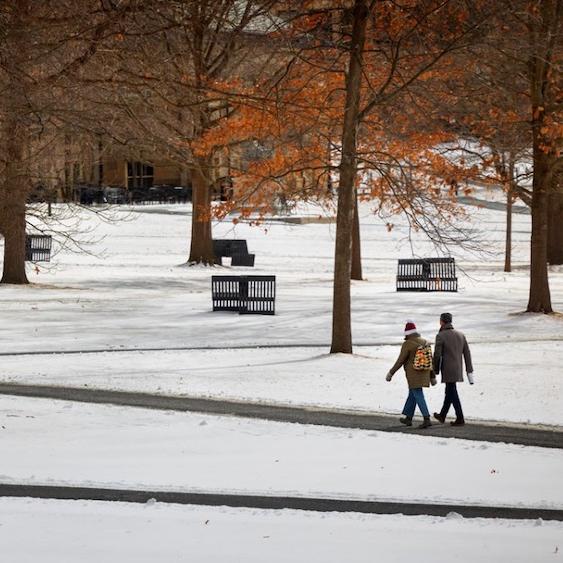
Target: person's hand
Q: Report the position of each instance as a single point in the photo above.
(471, 378)
(389, 376)
(433, 380)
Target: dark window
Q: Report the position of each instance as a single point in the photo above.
(139, 175)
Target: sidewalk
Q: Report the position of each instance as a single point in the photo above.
(526, 435)
(276, 503)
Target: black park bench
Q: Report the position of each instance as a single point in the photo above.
(38, 248)
(236, 249)
(426, 274)
(245, 294)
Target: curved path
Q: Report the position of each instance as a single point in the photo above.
(275, 502)
(265, 346)
(527, 435)
(495, 205)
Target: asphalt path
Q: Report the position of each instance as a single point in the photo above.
(526, 435)
(276, 502)
(495, 205)
(276, 346)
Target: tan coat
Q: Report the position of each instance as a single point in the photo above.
(415, 378)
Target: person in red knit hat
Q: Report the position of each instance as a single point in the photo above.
(417, 378)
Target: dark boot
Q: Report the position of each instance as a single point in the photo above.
(425, 423)
(406, 420)
(458, 422)
(439, 417)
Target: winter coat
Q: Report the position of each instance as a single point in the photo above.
(450, 346)
(415, 378)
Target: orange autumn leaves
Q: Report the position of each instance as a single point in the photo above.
(296, 115)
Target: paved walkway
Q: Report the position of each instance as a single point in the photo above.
(276, 502)
(279, 345)
(496, 205)
(527, 435)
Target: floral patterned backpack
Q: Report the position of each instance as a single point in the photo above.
(423, 357)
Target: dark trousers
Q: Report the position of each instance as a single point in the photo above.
(452, 398)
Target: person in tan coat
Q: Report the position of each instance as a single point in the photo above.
(416, 379)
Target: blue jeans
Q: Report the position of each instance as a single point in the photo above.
(416, 397)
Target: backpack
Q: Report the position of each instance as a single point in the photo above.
(423, 357)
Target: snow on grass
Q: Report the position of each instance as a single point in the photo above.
(48, 442)
(34, 531)
(524, 388)
(133, 293)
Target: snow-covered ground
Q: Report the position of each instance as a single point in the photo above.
(134, 293)
(521, 388)
(54, 442)
(133, 296)
(33, 531)
(46, 442)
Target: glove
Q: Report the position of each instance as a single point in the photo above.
(433, 381)
(470, 378)
(389, 376)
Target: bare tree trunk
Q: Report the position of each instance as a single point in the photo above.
(509, 203)
(341, 314)
(508, 243)
(555, 227)
(356, 245)
(13, 195)
(540, 298)
(201, 246)
(13, 229)
(15, 175)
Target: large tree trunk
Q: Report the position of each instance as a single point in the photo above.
(555, 227)
(356, 245)
(201, 246)
(13, 195)
(341, 314)
(540, 298)
(13, 229)
(15, 140)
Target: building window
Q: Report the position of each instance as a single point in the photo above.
(139, 175)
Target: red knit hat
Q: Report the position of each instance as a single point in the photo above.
(410, 328)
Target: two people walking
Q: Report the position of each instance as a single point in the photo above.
(450, 347)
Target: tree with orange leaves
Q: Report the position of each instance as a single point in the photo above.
(350, 82)
(171, 82)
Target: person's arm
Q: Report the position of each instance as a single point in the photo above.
(438, 348)
(467, 356)
(403, 357)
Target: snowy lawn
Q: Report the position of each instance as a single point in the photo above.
(300, 376)
(46, 442)
(134, 293)
(33, 531)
